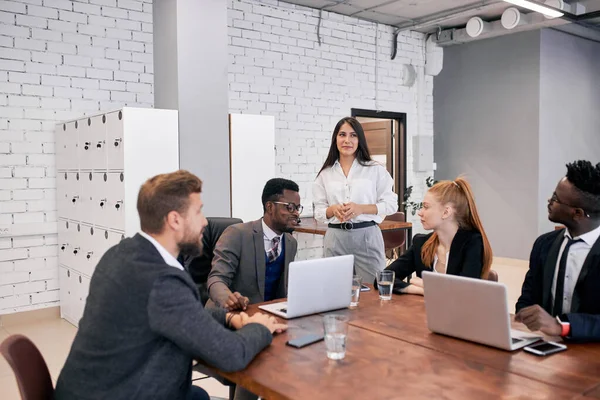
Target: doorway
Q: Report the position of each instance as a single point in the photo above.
(386, 137)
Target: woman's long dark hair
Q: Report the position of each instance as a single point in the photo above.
(362, 152)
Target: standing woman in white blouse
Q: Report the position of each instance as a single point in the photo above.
(353, 193)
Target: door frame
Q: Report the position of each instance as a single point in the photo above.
(400, 154)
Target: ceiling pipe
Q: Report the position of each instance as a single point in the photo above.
(518, 22)
(458, 12)
(476, 26)
(439, 18)
(512, 17)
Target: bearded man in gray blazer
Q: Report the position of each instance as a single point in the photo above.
(251, 260)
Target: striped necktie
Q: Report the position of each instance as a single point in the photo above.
(273, 253)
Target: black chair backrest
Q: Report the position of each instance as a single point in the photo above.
(199, 267)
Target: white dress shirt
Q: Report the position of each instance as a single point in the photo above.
(370, 184)
(168, 257)
(575, 259)
(268, 235)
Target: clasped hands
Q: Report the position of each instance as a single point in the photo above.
(346, 211)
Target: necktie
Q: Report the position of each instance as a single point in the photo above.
(273, 253)
(560, 278)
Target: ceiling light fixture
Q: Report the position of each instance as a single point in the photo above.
(536, 7)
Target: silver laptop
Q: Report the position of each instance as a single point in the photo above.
(316, 286)
(471, 309)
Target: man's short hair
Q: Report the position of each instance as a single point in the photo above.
(586, 178)
(274, 188)
(162, 194)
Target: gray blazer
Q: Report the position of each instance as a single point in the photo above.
(239, 264)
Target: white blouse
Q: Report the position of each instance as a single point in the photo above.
(435, 260)
(370, 184)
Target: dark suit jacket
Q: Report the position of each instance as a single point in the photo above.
(142, 325)
(466, 258)
(199, 266)
(537, 287)
(239, 264)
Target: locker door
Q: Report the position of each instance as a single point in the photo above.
(62, 194)
(75, 150)
(66, 305)
(114, 238)
(61, 142)
(104, 242)
(85, 241)
(98, 134)
(114, 140)
(76, 253)
(83, 290)
(116, 198)
(70, 147)
(86, 197)
(81, 286)
(80, 212)
(100, 198)
(73, 195)
(86, 147)
(95, 248)
(64, 246)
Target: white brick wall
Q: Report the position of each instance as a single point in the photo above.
(59, 59)
(278, 68)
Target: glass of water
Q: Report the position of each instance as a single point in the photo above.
(385, 284)
(336, 331)
(356, 283)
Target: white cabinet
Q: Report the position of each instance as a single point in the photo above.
(102, 160)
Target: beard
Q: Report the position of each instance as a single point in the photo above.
(190, 249)
(191, 245)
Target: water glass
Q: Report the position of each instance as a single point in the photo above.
(356, 284)
(336, 331)
(385, 284)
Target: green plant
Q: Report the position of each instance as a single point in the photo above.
(411, 205)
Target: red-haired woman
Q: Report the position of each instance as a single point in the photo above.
(458, 244)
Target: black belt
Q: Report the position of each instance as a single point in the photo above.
(348, 226)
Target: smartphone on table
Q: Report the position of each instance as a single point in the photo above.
(306, 340)
(545, 348)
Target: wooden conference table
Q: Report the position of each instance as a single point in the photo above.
(392, 355)
(311, 225)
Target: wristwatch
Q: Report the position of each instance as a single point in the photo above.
(565, 324)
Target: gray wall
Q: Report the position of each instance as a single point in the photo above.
(569, 109)
(486, 127)
(191, 58)
(165, 54)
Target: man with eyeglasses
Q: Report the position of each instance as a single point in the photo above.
(251, 260)
(560, 295)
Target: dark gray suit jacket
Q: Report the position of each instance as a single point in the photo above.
(142, 325)
(239, 264)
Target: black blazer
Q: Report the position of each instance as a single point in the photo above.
(466, 258)
(537, 287)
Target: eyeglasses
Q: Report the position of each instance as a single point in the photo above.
(554, 199)
(291, 207)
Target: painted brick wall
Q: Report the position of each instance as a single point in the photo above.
(59, 59)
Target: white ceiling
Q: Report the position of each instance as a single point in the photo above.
(420, 15)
